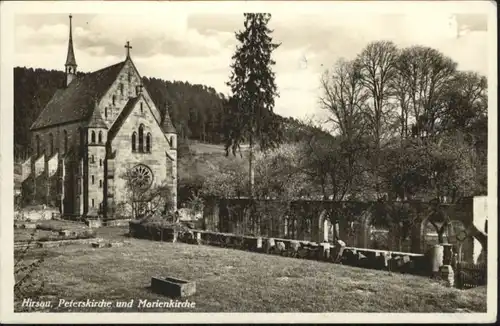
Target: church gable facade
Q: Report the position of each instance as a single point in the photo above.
(92, 133)
(139, 141)
(125, 86)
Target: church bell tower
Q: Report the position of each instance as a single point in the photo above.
(70, 66)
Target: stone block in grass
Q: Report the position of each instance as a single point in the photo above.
(97, 244)
(173, 287)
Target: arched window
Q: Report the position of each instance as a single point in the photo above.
(134, 136)
(100, 162)
(148, 142)
(92, 159)
(105, 111)
(93, 137)
(37, 145)
(100, 136)
(51, 144)
(100, 183)
(121, 89)
(65, 141)
(141, 138)
(92, 202)
(92, 179)
(114, 99)
(141, 108)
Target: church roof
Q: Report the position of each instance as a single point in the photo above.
(122, 117)
(76, 102)
(96, 120)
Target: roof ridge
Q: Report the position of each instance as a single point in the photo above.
(166, 124)
(74, 102)
(102, 69)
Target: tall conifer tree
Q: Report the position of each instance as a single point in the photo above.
(249, 113)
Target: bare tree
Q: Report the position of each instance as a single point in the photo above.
(377, 66)
(401, 91)
(343, 98)
(428, 72)
(142, 200)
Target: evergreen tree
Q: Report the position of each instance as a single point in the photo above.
(249, 113)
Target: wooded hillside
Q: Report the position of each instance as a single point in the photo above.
(196, 110)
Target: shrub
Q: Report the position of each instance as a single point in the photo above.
(156, 228)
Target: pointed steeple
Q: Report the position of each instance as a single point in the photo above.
(167, 126)
(96, 120)
(70, 58)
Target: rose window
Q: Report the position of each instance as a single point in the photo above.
(142, 177)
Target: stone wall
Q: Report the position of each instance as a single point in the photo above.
(304, 220)
(418, 264)
(58, 132)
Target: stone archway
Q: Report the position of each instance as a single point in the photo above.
(323, 229)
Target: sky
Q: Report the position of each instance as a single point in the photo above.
(197, 46)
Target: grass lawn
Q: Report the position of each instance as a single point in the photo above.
(237, 281)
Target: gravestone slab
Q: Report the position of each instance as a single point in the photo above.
(173, 287)
(259, 243)
(280, 247)
(294, 246)
(447, 274)
(269, 244)
(382, 260)
(115, 244)
(94, 223)
(197, 237)
(97, 244)
(65, 233)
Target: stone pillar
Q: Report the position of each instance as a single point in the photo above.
(325, 251)
(336, 231)
(435, 256)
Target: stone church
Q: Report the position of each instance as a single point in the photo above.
(97, 136)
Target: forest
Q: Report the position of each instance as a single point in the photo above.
(196, 110)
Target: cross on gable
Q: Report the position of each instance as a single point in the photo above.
(128, 47)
